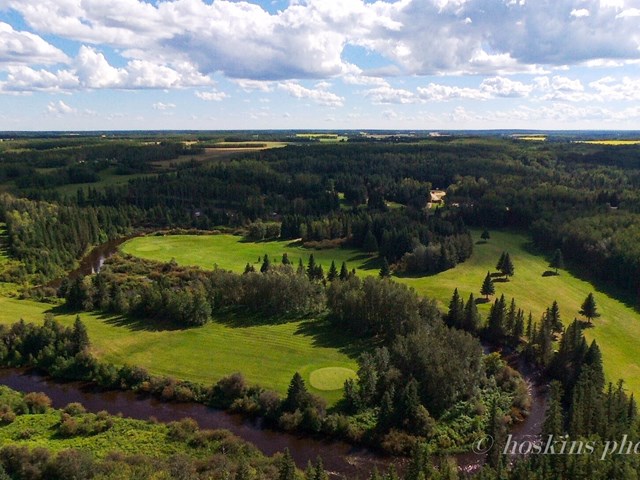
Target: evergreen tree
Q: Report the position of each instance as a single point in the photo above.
(529, 332)
(557, 261)
(487, 286)
(387, 412)
(485, 235)
(455, 316)
(589, 308)
(333, 272)
(518, 328)
(554, 417)
(554, 317)
(79, 336)
(297, 395)
(496, 320)
(507, 269)
(287, 467)
(472, 319)
(311, 267)
(344, 272)
(510, 320)
(248, 268)
(500, 263)
(266, 264)
(370, 244)
(385, 270)
(285, 259)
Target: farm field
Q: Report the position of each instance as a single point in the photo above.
(232, 252)
(267, 355)
(616, 331)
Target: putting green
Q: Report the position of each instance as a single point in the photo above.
(330, 378)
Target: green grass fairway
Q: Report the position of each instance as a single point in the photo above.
(617, 331)
(267, 355)
(231, 252)
(330, 378)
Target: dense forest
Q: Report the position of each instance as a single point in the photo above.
(424, 384)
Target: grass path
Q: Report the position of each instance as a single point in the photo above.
(617, 331)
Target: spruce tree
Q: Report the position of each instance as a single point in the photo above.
(496, 320)
(300, 270)
(370, 244)
(79, 335)
(487, 286)
(485, 235)
(518, 328)
(266, 264)
(500, 263)
(507, 269)
(554, 417)
(554, 317)
(311, 267)
(385, 270)
(557, 261)
(471, 321)
(344, 272)
(496, 429)
(287, 467)
(297, 395)
(510, 321)
(248, 268)
(589, 308)
(333, 272)
(455, 315)
(285, 259)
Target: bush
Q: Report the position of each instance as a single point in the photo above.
(37, 402)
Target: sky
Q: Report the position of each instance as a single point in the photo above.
(319, 64)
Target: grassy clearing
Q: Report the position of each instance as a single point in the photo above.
(233, 253)
(267, 355)
(617, 331)
(108, 178)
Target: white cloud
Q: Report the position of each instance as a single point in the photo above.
(580, 12)
(439, 93)
(319, 96)
(24, 48)
(387, 94)
(212, 96)
(307, 39)
(610, 89)
(163, 106)
(59, 108)
(505, 87)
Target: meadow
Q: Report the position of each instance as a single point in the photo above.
(616, 331)
(266, 354)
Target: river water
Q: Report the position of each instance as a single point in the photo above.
(339, 458)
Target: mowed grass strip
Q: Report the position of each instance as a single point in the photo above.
(232, 252)
(267, 355)
(617, 331)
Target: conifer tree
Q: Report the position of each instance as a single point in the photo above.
(500, 263)
(248, 268)
(471, 321)
(510, 321)
(554, 317)
(287, 467)
(487, 286)
(496, 320)
(554, 417)
(300, 270)
(370, 244)
(507, 269)
(385, 270)
(285, 259)
(485, 235)
(332, 274)
(589, 308)
(344, 272)
(455, 316)
(79, 335)
(311, 267)
(529, 332)
(297, 395)
(518, 328)
(496, 429)
(266, 264)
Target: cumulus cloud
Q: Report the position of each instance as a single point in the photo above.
(59, 108)
(212, 96)
(163, 106)
(387, 94)
(24, 48)
(307, 39)
(318, 95)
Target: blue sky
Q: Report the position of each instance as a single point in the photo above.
(319, 64)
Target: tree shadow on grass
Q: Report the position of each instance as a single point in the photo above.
(326, 335)
(123, 321)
